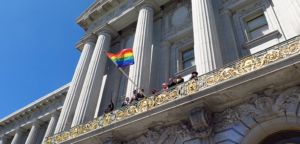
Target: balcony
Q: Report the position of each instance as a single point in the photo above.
(277, 64)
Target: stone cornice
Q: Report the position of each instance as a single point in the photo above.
(27, 109)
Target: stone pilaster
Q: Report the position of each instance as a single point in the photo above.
(34, 132)
(165, 62)
(51, 125)
(87, 103)
(140, 71)
(74, 91)
(207, 48)
(231, 47)
(4, 139)
(18, 136)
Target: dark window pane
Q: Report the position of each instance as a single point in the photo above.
(189, 63)
(187, 55)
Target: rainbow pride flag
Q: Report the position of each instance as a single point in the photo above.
(123, 58)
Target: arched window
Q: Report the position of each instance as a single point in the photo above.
(283, 137)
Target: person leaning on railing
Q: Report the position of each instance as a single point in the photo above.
(154, 91)
(110, 107)
(140, 96)
(179, 79)
(126, 102)
(171, 83)
(194, 75)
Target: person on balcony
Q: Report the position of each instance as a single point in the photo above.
(110, 107)
(179, 79)
(194, 75)
(165, 86)
(134, 97)
(154, 91)
(140, 96)
(171, 83)
(126, 102)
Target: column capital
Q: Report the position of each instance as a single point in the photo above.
(106, 29)
(89, 38)
(226, 12)
(38, 122)
(149, 3)
(165, 43)
(21, 130)
(55, 113)
(5, 136)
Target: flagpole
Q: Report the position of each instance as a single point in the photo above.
(123, 72)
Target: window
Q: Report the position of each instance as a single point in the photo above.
(257, 27)
(188, 58)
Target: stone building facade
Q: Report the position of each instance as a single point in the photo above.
(247, 54)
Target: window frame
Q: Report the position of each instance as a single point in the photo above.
(183, 61)
(251, 17)
(258, 26)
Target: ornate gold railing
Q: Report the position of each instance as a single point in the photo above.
(245, 65)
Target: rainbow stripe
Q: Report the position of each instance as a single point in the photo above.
(123, 58)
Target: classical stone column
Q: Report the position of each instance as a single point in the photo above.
(140, 71)
(165, 61)
(207, 49)
(74, 91)
(51, 125)
(293, 7)
(87, 103)
(18, 136)
(34, 132)
(4, 139)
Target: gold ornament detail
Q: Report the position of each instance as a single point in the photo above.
(49, 140)
(191, 87)
(107, 119)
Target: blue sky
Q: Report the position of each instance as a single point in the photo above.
(38, 55)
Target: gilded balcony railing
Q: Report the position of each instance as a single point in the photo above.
(245, 65)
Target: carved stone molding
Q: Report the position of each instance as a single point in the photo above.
(161, 134)
(32, 117)
(228, 2)
(111, 140)
(258, 106)
(201, 120)
(108, 17)
(251, 8)
(183, 41)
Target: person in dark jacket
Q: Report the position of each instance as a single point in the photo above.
(171, 83)
(110, 107)
(140, 96)
(194, 75)
(179, 79)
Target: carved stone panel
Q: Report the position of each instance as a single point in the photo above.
(178, 18)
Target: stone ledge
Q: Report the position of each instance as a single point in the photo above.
(261, 38)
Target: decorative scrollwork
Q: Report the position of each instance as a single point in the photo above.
(132, 110)
(160, 99)
(49, 140)
(107, 119)
(121, 115)
(191, 87)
